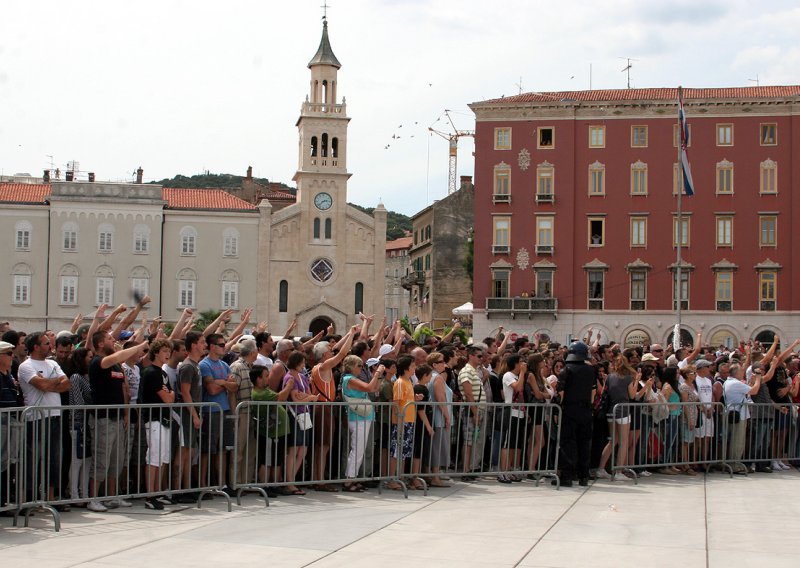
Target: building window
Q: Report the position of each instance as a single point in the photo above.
(140, 286)
(767, 234)
(547, 137)
(427, 262)
(230, 295)
(676, 136)
(681, 229)
(105, 291)
(724, 287)
(69, 237)
(769, 135)
(141, 239)
(767, 282)
(322, 270)
(188, 241)
(230, 242)
(328, 228)
(596, 278)
(638, 231)
(500, 283)
(676, 179)
(502, 235)
(684, 290)
(187, 288)
(359, 298)
(22, 289)
(638, 136)
(544, 182)
(639, 178)
(502, 183)
(597, 179)
(69, 290)
(544, 234)
(544, 283)
(317, 226)
(105, 238)
(769, 177)
(597, 137)
(502, 138)
(597, 231)
(724, 231)
(725, 177)
(23, 230)
(638, 289)
(724, 134)
(283, 296)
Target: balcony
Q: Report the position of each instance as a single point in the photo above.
(322, 108)
(501, 249)
(501, 198)
(544, 198)
(414, 278)
(544, 249)
(521, 306)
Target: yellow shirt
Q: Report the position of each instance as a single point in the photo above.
(403, 394)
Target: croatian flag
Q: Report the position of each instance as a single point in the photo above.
(688, 184)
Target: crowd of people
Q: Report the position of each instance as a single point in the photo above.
(114, 408)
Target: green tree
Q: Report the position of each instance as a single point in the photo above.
(205, 319)
(469, 259)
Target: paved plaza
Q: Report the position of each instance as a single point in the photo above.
(664, 521)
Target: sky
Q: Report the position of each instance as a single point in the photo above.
(181, 87)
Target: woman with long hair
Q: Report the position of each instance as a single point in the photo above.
(691, 417)
(442, 397)
(80, 393)
(360, 416)
(299, 439)
(668, 433)
(513, 439)
(535, 391)
(622, 386)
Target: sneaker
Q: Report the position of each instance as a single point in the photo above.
(644, 473)
(602, 474)
(752, 468)
(503, 479)
(583, 482)
(784, 467)
(97, 507)
(153, 503)
(776, 466)
(619, 477)
(166, 500)
(119, 503)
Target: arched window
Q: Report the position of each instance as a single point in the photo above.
(105, 237)
(316, 227)
(230, 242)
(314, 148)
(230, 289)
(359, 303)
(283, 296)
(187, 288)
(328, 228)
(334, 147)
(140, 281)
(69, 285)
(21, 273)
(324, 144)
(141, 239)
(69, 237)
(23, 230)
(104, 281)
(188, 241)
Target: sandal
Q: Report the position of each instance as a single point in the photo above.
(689, 471)
(394, 486)
(352, 488)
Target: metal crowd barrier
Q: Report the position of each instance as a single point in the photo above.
(763, 434)
(10, 438)
(505, 441)
(682, 436)
(340, 446)
(77, 455)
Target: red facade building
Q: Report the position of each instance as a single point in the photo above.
(576, 213)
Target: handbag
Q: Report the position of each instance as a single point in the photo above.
(302, 419)
(358, 406)
(659, 409)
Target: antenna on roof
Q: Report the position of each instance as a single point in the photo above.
(628, 68)
(519, 85)
(755, 81)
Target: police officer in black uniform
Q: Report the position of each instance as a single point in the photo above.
(577, 384)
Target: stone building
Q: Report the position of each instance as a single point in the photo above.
(438, 281)
(397, 266)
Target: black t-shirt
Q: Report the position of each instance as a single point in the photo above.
(107, 385)
(423, 390)
(779, 381)
(154, 379)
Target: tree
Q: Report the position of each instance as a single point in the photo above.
(205, 319)
(469, 259)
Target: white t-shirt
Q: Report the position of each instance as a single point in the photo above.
(508, 393)
(264, 361)
(47, 369)
(705, 389)
(134, 378)
(172, 375)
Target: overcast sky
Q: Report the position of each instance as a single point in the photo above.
(180, 87)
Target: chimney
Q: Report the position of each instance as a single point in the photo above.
(69, 175)
(249, 172)
(46, 176)
(91, 177)
(466, 181)
(139, 174)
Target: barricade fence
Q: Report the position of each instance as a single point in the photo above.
(100, 455)
(671, 438)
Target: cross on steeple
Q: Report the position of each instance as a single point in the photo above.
(325, 7)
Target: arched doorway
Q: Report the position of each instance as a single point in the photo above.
(765, 338)
(687, 339)
(318, 324)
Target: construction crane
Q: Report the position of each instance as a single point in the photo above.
(452, 139)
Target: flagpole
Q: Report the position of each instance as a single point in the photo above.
(676, 340)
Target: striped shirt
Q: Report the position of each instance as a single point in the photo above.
(469, 374)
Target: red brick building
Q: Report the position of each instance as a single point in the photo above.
(576, 213)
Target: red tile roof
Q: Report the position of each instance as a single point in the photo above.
(277, 195)
(399, 244)
(766, 92)
(204, 199)
(24, 193)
